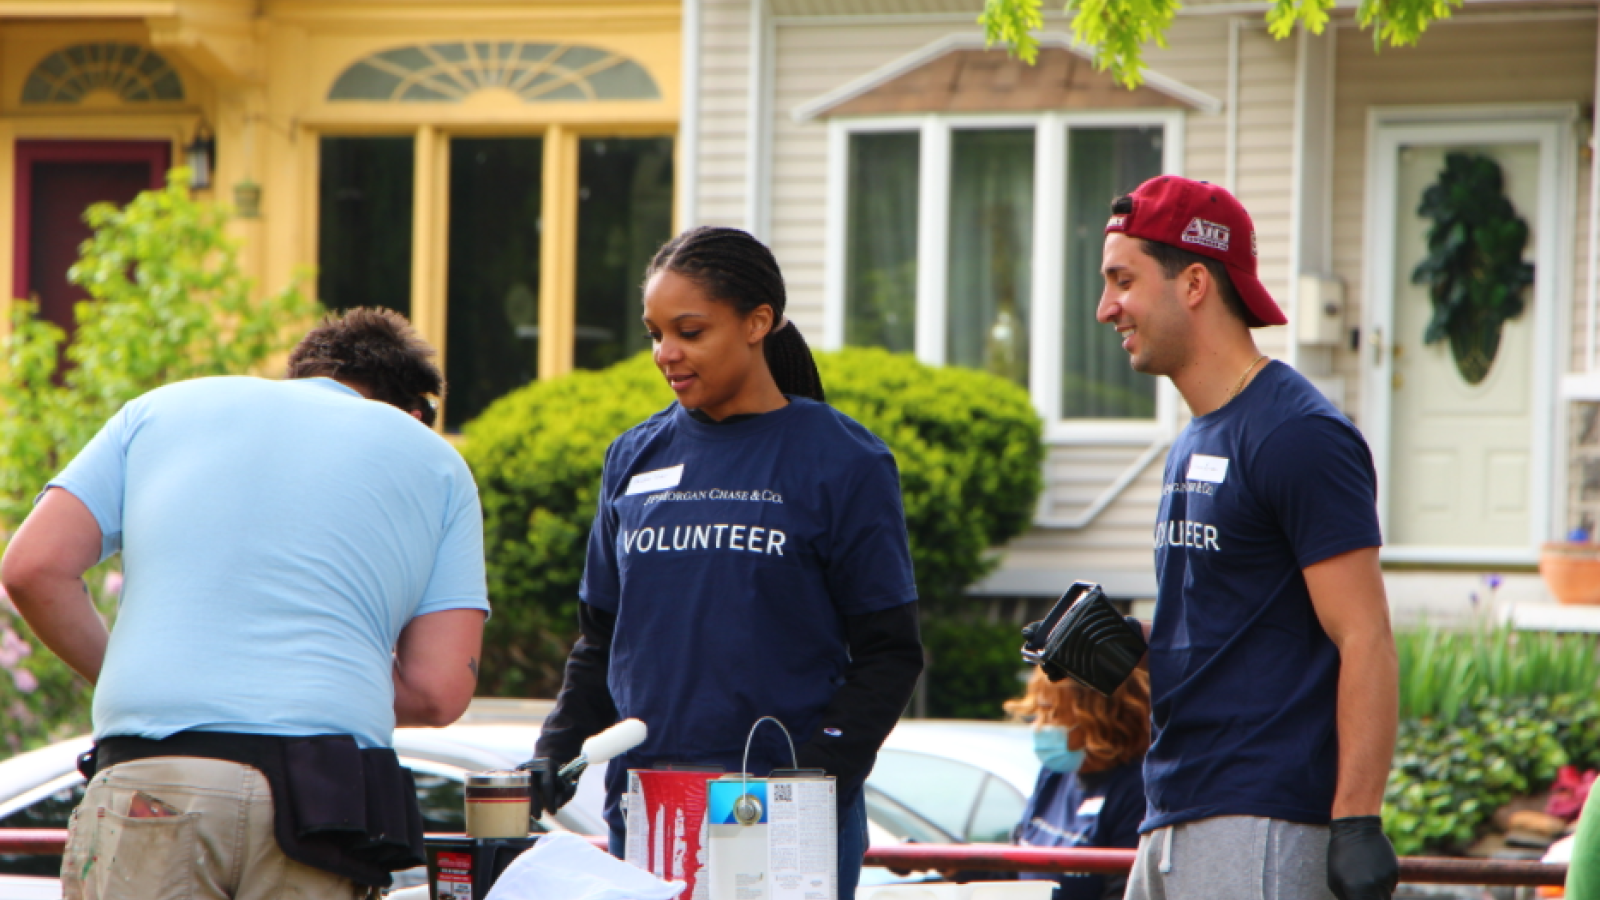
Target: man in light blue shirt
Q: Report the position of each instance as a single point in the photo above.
(299, 561)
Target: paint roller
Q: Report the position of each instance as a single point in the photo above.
(552, 792)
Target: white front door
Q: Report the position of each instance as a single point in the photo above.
(1464, 456)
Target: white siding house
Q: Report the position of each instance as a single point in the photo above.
(815, 119)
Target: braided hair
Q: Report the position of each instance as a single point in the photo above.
(733, 267)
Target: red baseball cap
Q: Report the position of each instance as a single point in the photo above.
(1204, 219)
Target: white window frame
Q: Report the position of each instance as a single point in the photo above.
(1049, 232)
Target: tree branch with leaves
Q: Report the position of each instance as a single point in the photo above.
(1115, 32)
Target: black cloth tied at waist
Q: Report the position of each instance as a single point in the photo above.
(336, 807)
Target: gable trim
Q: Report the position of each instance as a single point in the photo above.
(1197, 99)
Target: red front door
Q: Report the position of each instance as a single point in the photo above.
(56, 182)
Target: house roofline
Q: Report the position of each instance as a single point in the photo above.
(812, 109)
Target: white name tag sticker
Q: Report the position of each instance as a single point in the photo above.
(1207, 468)
(659, 480)
(1092, 806)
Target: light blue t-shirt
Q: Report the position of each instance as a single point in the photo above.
(276, 537)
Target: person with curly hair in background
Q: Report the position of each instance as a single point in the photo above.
(1090, 791)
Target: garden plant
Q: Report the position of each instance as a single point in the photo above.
(1487, 714)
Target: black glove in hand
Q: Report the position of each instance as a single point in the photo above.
(1361, 861)
(550, 792)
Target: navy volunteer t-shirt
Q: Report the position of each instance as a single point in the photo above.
(1243, 678)
(729, 554)
(1101, 809)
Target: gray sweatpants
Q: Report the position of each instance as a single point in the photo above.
(1232, 858)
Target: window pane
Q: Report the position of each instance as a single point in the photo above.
(991, 251)
(1096, 381)
(364, 224)
(998, 812)
(492, 343)
(624, 215)
(52, 811)
(881, 249)
(940, 790)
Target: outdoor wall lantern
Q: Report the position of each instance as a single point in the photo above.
(201, 154)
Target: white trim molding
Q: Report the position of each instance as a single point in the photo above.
(1549, 126)
(688, 148)
(758, 124)
(1051, 130)
(1194, 98)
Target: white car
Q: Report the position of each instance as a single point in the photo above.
(945, 781)
(41, 788)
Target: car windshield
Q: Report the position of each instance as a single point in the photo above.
(960, 799)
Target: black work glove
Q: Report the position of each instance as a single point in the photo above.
(550, 791)
(1361, 861)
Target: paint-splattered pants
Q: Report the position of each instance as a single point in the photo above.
(180, 828)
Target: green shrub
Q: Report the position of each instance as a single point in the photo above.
(1449, 776)
(967, 444)
(974, 666)
(169, 302)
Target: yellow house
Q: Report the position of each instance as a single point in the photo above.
(499, 170)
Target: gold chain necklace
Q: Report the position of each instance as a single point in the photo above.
(1239, 385)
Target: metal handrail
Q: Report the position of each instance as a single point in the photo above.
(1003, 858)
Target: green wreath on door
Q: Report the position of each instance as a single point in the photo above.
(1474, 269)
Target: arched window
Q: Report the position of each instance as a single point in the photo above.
(450, 72)
(132, 73)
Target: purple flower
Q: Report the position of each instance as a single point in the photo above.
(24, 681)
(1494, 580)
(13, 649)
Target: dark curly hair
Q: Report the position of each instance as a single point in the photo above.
(378, 350)
(733, 267)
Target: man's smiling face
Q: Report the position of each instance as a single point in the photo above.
(1144, 306)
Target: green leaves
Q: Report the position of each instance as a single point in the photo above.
(1400, 23)
(1013, 23)
(168, 302)
(1474, 269)
(1486, 714)
(1115, 32)
(1444, 673)
(1449, 776)
(1283, 14)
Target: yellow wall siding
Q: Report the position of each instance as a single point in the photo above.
(259, 74)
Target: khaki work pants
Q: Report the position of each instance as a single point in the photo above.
(182, 828)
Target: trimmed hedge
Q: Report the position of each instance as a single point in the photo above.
(967, 443)
(973, 666)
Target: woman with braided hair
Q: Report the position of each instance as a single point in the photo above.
(748, 556)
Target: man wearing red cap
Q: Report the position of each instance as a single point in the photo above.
(1272, 665)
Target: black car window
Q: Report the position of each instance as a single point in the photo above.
(52, 811)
